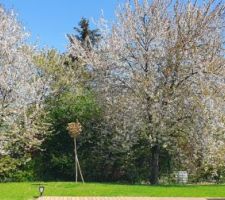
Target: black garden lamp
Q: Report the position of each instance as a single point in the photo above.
(41, 189)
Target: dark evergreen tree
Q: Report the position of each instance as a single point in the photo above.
(88, 37)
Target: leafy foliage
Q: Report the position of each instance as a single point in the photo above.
(148, 90)
(160, 72)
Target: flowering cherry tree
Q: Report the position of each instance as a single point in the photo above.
(160, 72)
(22, 88)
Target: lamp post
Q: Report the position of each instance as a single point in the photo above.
(41, 190)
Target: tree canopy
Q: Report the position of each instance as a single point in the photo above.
(148, 90)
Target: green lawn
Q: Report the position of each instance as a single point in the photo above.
(27, 191)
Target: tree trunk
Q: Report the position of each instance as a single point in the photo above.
(154, 178)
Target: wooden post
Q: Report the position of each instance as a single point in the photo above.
(81, 175)
(75, 158)
(77, 164)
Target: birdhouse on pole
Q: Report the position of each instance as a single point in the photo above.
(74, 129)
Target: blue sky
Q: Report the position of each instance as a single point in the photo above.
(49, 20)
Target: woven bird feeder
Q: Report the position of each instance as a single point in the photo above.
(74, 129)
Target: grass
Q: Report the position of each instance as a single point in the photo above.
(28, 191)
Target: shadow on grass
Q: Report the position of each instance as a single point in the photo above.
(164, 185)
(145, 185)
